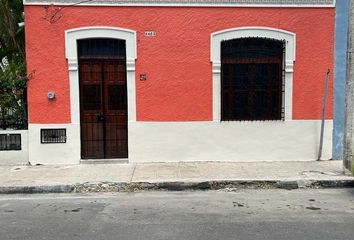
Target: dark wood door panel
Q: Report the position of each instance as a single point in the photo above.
(115, 88)
(116, 136)
(92, 140)
(103, 104)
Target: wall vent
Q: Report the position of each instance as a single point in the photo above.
(53, 135)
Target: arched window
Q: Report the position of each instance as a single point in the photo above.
(252, 79)
(274, 39)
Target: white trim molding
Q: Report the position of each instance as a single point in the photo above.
(189, 3)
(249, 32)
(71, 37)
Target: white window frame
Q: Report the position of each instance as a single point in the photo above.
(249, 32)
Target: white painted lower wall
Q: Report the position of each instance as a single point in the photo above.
(228, 141)
(58, 153)
(198, 141)
(15, 157)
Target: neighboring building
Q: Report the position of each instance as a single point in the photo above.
(178, 80)
(341, 47)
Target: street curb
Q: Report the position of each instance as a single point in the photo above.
(227, 185)
(37, 189)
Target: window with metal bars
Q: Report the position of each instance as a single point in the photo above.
(252, 79)
(101, 48)
(53, 135)
(10, 142)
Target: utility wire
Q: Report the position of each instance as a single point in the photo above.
(54, 15)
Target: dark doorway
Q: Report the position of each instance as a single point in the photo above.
(103, 99)
(252, 79)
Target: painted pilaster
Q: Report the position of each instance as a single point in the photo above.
(342, 18)
(216, 92)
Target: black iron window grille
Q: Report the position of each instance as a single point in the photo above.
(101, 48)
(10, 142)
(252, 81)
(53, 135)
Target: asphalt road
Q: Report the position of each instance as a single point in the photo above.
(247, 214)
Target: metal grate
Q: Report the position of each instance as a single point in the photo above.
(101, 48)
(53, 135)
(249, 49)
(252, 79)
(10, 142)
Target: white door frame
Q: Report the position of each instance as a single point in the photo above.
(71, 38)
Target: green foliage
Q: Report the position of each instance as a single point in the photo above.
(11, 35)
(13, 76)
(12, 84)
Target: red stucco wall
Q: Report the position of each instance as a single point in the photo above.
(177, 60)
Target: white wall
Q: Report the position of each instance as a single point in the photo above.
(199, 141)
(54, 153)
(228, 141)
(15, 157)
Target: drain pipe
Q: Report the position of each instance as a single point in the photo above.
(323, 115)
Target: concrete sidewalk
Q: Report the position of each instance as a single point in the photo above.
(172, 176)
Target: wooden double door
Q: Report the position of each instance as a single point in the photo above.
(103, 108)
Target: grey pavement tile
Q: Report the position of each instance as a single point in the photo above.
(188, 171)
(159, 172)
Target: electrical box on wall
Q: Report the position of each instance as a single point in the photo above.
(51, 95)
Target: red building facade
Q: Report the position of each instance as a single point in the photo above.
(178, 80)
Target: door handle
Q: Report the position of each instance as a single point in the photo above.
(100, 118)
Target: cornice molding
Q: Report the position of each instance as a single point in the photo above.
(188, 3)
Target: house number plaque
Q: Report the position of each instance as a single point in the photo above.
(150, 33)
